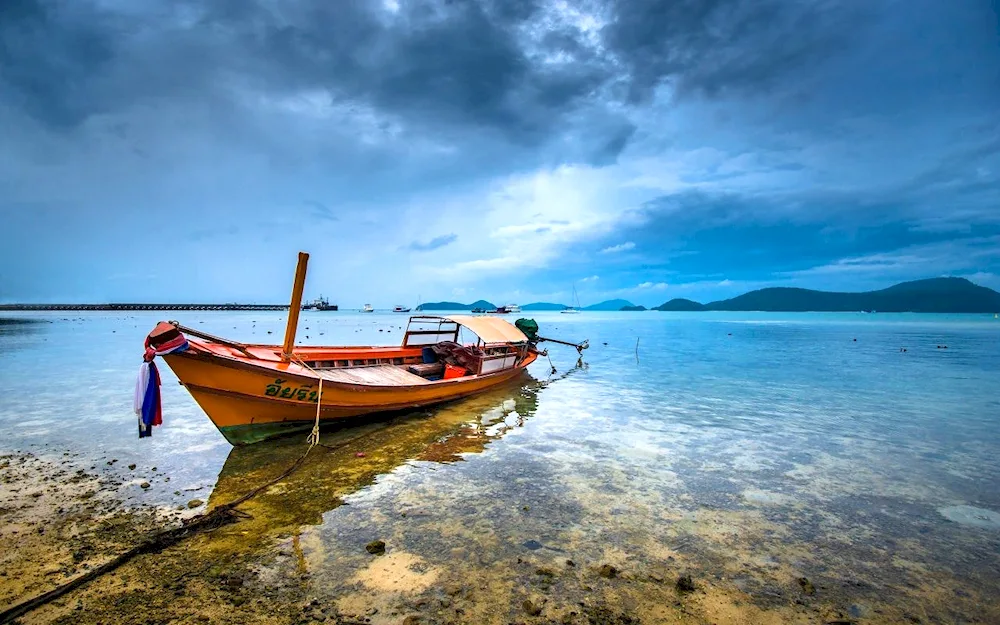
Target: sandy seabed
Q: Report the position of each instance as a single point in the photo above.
(298, 554)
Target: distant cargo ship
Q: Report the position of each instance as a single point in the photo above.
(320, 303)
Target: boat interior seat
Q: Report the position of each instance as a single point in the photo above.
(427, 369)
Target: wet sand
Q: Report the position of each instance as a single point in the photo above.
(581, 553)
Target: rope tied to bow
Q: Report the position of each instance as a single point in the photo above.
(313, 438)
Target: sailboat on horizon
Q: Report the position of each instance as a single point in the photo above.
(575, 308)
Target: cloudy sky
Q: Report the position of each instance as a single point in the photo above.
(507, 149)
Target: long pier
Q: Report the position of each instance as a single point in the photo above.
(123, 307)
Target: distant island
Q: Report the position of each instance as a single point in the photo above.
(680, 304)
(610, 305)
(934, 295)
(481, 304)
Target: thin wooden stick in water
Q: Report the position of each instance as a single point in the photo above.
(637, 349)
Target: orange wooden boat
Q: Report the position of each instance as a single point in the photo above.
(250, 392)
(255, 392)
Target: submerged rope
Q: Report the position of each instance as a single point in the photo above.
(219, 516)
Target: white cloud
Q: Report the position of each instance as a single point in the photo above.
(591, 279)
(984, 278)
(524, 221)
(621, 247)
(653, 286)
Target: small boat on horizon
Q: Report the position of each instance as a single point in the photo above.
(505, 310)
(400, 309)
(575, 309)
(368, 308)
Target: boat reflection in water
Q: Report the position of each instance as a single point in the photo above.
(352, 457)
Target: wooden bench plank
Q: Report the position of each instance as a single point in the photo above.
(379, 375)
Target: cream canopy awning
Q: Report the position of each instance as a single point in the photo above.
(490, 329)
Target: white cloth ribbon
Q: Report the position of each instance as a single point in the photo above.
(141, 383)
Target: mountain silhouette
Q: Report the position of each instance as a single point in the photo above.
(934, 295)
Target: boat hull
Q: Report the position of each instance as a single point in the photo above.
(248, 403)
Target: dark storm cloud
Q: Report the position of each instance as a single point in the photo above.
(441, 64)
(750, 236)
(48, 56)
(448, 62)
(503, 66)
(708, 46)
(433, 244)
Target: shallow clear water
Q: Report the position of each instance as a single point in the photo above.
(755, 445)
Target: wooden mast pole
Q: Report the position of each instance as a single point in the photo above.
(295, 308)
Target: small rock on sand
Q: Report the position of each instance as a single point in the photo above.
(531, 607)
(685, 583)
(194, 503)
(807, 586)
(607, 571)
(144, 485)
(376, 547)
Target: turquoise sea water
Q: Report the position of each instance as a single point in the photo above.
(807, 444)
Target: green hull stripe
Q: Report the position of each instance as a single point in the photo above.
(248, 434)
